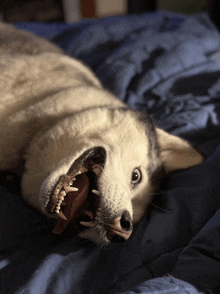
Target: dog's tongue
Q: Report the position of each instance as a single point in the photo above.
(74, 202)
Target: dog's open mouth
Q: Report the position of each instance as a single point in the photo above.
(75, 197)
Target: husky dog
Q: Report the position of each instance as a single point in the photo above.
(73, 136)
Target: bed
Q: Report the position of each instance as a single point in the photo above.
(167, 65)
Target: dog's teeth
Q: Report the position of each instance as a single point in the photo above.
(89, 213)
(88, 224)
(96, 192)
(73, 188)
(61, 198)
(96, 171)
(61, 215)
(58, 206)
(70, 189)
(63, 193)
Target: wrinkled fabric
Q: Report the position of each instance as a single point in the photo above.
(159, 63)
(165, 285)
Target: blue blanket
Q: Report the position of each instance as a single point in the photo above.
(159, 63)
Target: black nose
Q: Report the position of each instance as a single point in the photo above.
(120, 229)
(126, 221)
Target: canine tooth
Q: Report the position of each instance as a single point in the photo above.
(88, 224)
(89, 213)
(61, 215)
(70, 189)
(96, 192)
(97, 171)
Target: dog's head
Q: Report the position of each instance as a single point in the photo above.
(114, 158)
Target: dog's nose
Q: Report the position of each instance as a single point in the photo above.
(126, 221)
(121, 228)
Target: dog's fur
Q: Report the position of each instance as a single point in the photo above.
(53, 109)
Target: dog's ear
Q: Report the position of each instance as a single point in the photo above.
(176, 153)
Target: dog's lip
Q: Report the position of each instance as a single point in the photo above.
(117, 232)
(90, 153)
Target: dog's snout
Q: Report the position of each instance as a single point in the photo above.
(121, 228)
(126, 221)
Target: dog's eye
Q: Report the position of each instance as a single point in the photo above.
(136, 176)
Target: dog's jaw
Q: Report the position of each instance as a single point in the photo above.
(86, 210)
(79, 205)
(91, 161)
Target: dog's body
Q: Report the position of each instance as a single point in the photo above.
(53, 110)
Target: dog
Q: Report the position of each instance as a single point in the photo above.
(67, 135)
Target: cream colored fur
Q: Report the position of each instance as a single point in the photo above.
(53, 108)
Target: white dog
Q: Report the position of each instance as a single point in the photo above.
(87, 157)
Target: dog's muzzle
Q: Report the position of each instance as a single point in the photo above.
(76, 199)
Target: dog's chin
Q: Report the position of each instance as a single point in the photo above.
(98, 236)
(75, 197)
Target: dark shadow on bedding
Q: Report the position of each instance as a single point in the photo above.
(23, 262)
(11, 182)
(198, 84)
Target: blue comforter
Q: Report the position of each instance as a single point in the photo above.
(159, 63)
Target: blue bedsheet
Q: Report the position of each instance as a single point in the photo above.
(159, 63)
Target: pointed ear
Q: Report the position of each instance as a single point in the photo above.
(176, 153)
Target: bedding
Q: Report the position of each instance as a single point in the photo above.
(161, 63)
